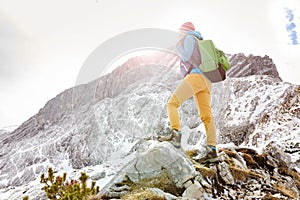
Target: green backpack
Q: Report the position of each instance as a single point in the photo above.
(214, 62)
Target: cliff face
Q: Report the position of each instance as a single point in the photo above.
(252, 65)
(107, 119)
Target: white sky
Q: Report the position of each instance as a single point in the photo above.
(43, 43)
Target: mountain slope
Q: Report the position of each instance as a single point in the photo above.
(106, 120)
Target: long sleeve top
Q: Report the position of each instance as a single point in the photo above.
(189, 53)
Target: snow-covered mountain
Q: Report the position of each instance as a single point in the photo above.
(96, 127)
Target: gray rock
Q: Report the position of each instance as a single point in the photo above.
(194, 191)
(99, 176)
(225, 173)
(156, 161)
(167, 196)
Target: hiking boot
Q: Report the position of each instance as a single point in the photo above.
(210, 157)
(174, 137)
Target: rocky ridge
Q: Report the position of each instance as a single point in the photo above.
(250, 65)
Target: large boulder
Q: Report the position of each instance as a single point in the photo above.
(158, 165)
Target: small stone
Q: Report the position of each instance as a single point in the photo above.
(98, 176)
(225, 173)
(194, 191)
(119, 189)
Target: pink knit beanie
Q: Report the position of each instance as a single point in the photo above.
(187, 26)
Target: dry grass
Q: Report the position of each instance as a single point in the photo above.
(270, 197)
(243, 174)
(261, 159)
(143, 195)
(285, 191)
(250, 161)
(239, 174)
(230, 162)
(252, 158)
(205, 171)
(275, 178)
(286, 171)
(256, 175)
(230, 153)
(191, 153)
(251, 152)
(163, 182)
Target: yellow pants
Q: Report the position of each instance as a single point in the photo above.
(198, 86)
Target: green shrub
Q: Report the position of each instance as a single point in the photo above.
(57, 187)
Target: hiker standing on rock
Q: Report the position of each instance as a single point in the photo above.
(194, 84)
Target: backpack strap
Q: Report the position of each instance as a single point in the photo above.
(190, 69)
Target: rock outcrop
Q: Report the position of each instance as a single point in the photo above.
(155, 165)
(243, 66)
(241, 173)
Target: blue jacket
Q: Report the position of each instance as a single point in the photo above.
(188, 50)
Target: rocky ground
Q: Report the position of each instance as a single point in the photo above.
(161, 171)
